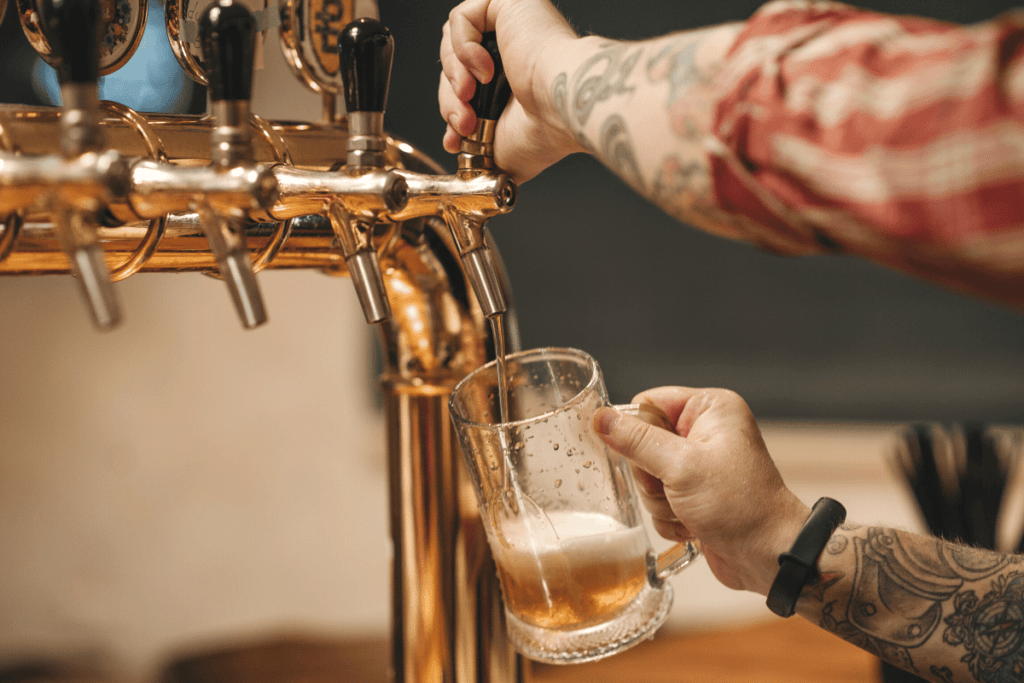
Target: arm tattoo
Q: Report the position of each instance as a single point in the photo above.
(617, 150)
(679, 182)
(676, 63)
(904, 593)
(991, 629)
(600, 78)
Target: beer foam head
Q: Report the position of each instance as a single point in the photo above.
(551, 530)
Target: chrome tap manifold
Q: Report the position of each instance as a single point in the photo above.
(101, 191)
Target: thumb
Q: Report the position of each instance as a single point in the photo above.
(643, 444)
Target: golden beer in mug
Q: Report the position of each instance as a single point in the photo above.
(578, 575)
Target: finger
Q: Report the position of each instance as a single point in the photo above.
(466, 25)
(459, 78)
(672, 530)
(451, 140)
(653, 449)
(648, 484)
(659, 508)
(671, 400)
(714, 410)
(459, 115)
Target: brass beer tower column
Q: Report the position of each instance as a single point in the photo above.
(448, 618)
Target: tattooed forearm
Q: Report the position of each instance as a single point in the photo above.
(991, 629)
(602, 77)
(626, 95)
(617, 149)
(954, 612)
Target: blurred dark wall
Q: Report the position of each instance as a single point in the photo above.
(594, 266)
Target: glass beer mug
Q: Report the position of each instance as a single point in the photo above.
(578, 573)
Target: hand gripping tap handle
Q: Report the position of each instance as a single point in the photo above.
(366, 51)
(477, 156)
(491, 98)
(227, 33)
(75, 25)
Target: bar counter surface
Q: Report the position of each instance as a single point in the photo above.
(779, 651)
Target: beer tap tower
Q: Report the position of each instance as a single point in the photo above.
(101, 191)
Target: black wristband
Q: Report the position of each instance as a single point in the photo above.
(799, 566)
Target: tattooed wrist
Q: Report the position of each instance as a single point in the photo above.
(924, 604)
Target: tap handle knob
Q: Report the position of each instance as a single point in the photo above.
(367, 50)
(227, 32)
(75, 26)
(490, 98)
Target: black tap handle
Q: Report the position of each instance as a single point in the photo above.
(227, 32)
(490, 98)
(366, 49)
(75, 27)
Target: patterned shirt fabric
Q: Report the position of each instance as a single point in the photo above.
(899, 139)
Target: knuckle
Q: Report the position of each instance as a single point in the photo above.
(730, 397)
(635, 436)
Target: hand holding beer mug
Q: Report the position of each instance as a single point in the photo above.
(578, 574)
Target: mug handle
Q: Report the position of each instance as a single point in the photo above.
(676, 558)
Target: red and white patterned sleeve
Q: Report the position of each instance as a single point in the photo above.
(900, 139)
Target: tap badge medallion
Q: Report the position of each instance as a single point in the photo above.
(329, 17)
(181, 18)
(124, 21)
(310, 35)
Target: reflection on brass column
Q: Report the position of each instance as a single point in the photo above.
(448, 623)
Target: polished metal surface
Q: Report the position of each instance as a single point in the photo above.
(448, 624)
(181, 20)
(309, 36)
(309, 40)
(164, 193)
(125, 25)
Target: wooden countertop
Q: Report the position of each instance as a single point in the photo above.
(782, 651)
